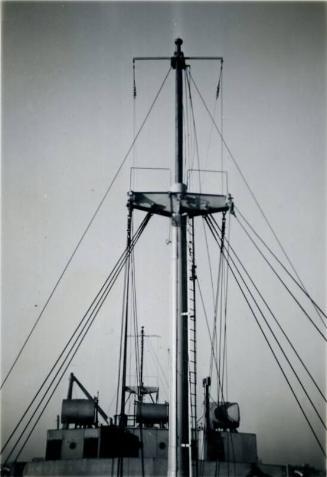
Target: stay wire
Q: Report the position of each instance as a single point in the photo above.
(197, 150)
(275, 319)
(278, 362)
(247, 184)
(164, 376)
(86, 230)
(190, 120)
(225, 311)
(51, 370)
(214, 325)
(121, 345)
(120, 357)
(283, 282)
(284, 268)
(217, 96)
(64, 371)
(221, 81)
(200, 186)
(136, 324)
(85, 328)
(220, 301)
(271, 331)
(130, 247)
(108, 283)
(209, 333)
(185, 129)
(135, 315)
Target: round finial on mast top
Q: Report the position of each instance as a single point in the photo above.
(178, 43)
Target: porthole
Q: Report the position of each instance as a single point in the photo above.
(72, 445)
(162, 445)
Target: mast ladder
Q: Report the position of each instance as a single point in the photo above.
(192, 348)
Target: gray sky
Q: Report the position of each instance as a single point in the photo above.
(67, 121)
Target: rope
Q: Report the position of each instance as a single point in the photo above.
(100, 298)
(277, 322)
(247, 183)
(87, 326)
(224, 366)
(284, 268)
(221, 368)
(270, 347)
(209, 333)
(200, 187)
(214, 332)
(85, 231)
(283, 283)
(278, 343)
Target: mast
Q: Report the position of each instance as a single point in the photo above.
(179, 444)
(178, 204)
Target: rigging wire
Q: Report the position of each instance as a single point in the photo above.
(120, 357)
(88, 326)
(125, 315)
(53, 367)
(196, 142)
(121, 344)
(214, 334)
(86, 230)
(99, 305)
(63, 373)
(220, 272)
(198, 159)
(221, 90)
(224, 358)
(186, 129)
(274, 317)
(270, 346)
(216, 103)
(164, 376)
(283, 282)
(212, 223)
(221, 369)
(209, 333)
(247, 183)
(219, 380)
(190, 122)
(283, 266)
(135, 320)
(96, 304)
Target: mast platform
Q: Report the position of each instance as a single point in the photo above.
(185, 203)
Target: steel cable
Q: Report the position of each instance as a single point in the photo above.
(101, 295)
(85, 230)
(248, 185)
(284, 284)
(276, 321)
(300, 286)
(269, 344)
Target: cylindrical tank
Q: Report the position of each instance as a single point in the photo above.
(78, 411)
(149, 413)
(225, 415)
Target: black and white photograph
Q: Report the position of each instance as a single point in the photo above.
(163, 238)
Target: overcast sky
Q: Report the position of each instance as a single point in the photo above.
(67, 122)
